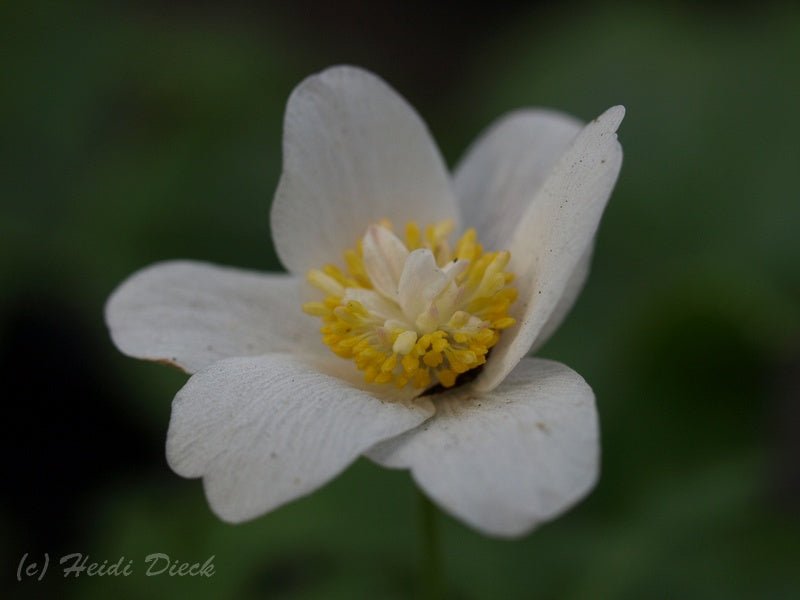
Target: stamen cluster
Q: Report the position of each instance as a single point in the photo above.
(420, 312)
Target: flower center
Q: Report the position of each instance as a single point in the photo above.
(419, 312)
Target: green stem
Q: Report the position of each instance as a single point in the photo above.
(432, 579)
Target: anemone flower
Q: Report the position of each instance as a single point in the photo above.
(407, 347)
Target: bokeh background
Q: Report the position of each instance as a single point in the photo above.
(137, 132)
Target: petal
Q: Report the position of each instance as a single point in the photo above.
(191, 314)
(374, 303)
(509, 460)
(571, 292)
(497, 180)
(354, 152)
(263, 431)
(384, 258)
(553, 237)
(422, 280)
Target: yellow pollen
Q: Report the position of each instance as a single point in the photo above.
(424, 328)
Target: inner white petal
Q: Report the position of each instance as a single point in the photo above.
(377, 305)
(451, 296)
(384, 256)
(420, 283)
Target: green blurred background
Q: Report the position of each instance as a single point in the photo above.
(133, 133)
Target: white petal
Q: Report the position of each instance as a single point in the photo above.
(384, 258)
(354, 152)
(422, 280)
(191, 314)
(508, 460)
(374, 303)
(498, 178)
(263, 431)
(571, 292)
(553, 237)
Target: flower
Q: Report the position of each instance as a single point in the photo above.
(270, 413)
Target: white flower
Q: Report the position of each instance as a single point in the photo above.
(271, 414)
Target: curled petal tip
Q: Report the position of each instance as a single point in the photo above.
(612, 118)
